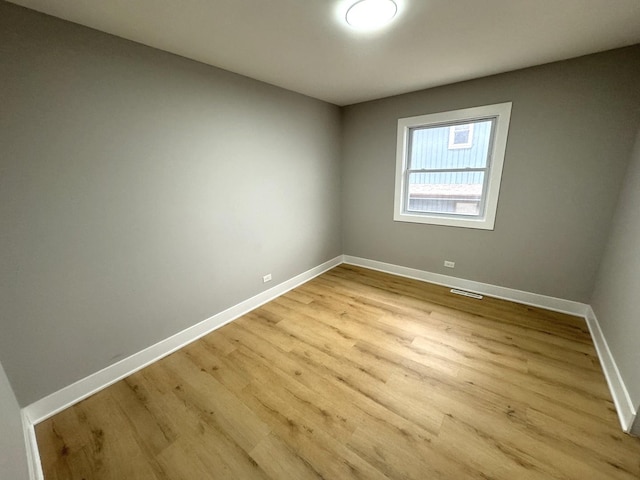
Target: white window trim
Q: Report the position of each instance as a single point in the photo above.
(452, 137)
(502, 113)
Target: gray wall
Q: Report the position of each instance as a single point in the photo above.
(572, 130)
(615, 298)
(13, 458)
(141, 193)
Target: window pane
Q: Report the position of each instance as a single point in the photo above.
(452, 193)
(430, 146)
(449, 166)
(461, 134)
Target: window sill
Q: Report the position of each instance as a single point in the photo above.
(477, 223)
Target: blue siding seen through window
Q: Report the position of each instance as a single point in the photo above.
(451, 188)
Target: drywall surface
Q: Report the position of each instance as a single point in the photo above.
(141, 193)
(572, 130)
(13, 457)
(615, 298)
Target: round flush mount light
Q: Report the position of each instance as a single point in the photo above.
(371, 14)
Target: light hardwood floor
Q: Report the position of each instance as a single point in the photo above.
(358, 375)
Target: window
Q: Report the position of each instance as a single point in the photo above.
(461, 136)
(449, 166)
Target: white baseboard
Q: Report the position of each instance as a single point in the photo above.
(67, 396)
(518, 296)
(33, 455)
(619, 392)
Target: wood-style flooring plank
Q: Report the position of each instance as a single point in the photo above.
(358, 374)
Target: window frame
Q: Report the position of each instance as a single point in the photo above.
(452, 137)
(501, 112)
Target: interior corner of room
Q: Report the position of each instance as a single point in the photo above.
(146, 199)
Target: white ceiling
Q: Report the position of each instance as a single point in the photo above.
(304, 45)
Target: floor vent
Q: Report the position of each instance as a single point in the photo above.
(466, 294)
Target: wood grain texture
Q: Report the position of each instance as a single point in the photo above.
(358, 375)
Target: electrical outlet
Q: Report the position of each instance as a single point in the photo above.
(266, 278)
(449, 264)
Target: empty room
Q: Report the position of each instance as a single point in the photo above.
(319, 239)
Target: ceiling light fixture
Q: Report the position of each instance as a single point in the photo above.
(371, 14)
